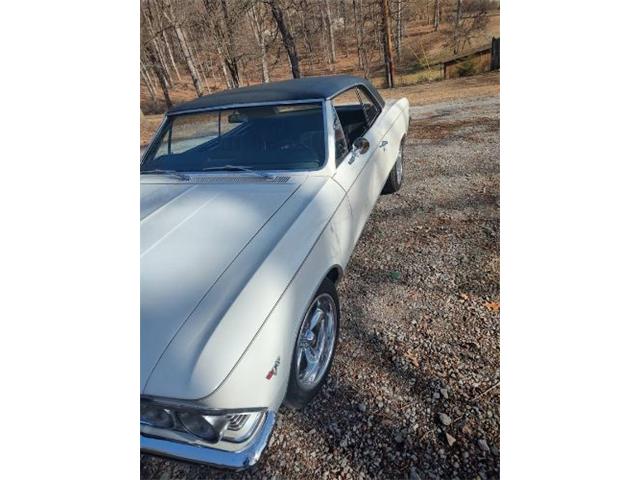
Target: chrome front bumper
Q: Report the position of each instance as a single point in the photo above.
(239, 460)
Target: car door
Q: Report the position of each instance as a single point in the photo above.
(359, 173)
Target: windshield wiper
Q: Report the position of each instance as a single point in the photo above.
(239, 168)
(173, 173)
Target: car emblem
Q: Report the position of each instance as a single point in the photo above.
(274, 370)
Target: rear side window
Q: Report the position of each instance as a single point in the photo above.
(371, 109)
(357, 111)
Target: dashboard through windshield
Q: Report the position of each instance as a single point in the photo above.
(267, 137)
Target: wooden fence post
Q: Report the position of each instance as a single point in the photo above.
(495, 53)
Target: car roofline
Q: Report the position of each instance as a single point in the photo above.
(245, 105)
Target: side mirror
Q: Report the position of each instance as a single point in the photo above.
(360, 145)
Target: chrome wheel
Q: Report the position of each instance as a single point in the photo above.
(316, 340)
(399, 165)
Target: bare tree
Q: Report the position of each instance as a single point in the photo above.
(256, 16)
(399, 28)
(223, 28)
(358, 29)
(155, 66)
(332, 44)
(186, 52)
(233, 42)
(287, 39)
(468, 20)
(165, 36)
(388, 52)
(148, 83)
(152, 27)
(168, 13)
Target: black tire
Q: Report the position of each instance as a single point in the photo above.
(299, 395)
(396, 175)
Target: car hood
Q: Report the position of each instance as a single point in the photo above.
(189, 236)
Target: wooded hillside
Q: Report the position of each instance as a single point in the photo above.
(194, 47)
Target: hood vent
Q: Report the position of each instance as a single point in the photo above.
(235, 179)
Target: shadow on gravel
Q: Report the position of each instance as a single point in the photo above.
(357, 438)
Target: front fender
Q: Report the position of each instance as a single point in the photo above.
(249, 384)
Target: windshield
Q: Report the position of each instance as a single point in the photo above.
(270, 137)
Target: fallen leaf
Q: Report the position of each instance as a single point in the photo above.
(412, 358)
(450, 439)
(493, 306)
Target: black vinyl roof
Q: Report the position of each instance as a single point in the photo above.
(286, 91)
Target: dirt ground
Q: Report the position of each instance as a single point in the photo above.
(415, 388)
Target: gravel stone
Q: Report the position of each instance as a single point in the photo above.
(441, 234)
(444, 419)
(450, 440)
(482, 443)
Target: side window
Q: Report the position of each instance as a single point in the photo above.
(351, 114)
(348, 97)
(342, 146)
(371, 108)
(356, 111)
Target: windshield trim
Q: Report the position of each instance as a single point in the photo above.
(157, 137)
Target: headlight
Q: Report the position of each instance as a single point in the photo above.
(208, 427)
(155, 416)
(231, 427)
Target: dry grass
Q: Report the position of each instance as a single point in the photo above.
(148, 125)
(426, 129)
(424, 93)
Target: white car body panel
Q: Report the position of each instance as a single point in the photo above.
(228, 270)
(185, 247)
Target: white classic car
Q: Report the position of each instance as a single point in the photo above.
(252, 201)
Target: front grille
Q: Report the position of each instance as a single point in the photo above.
(237, 421)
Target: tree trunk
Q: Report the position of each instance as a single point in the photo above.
(332, 44)
(287, 39)
(258, 32)
(155, 65)
(145, 73)
(388, 52)
(223, 66)
(173, 61)
(186, 53)
(147, 83)
(203, 76)
(436, 15)
(163, 61)
(230, 57)
(305, 27)
(456, 31)
(399, 28)
(357, 25)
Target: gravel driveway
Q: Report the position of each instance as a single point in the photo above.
(414, 390)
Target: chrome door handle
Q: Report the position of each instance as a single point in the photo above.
(383, 143)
